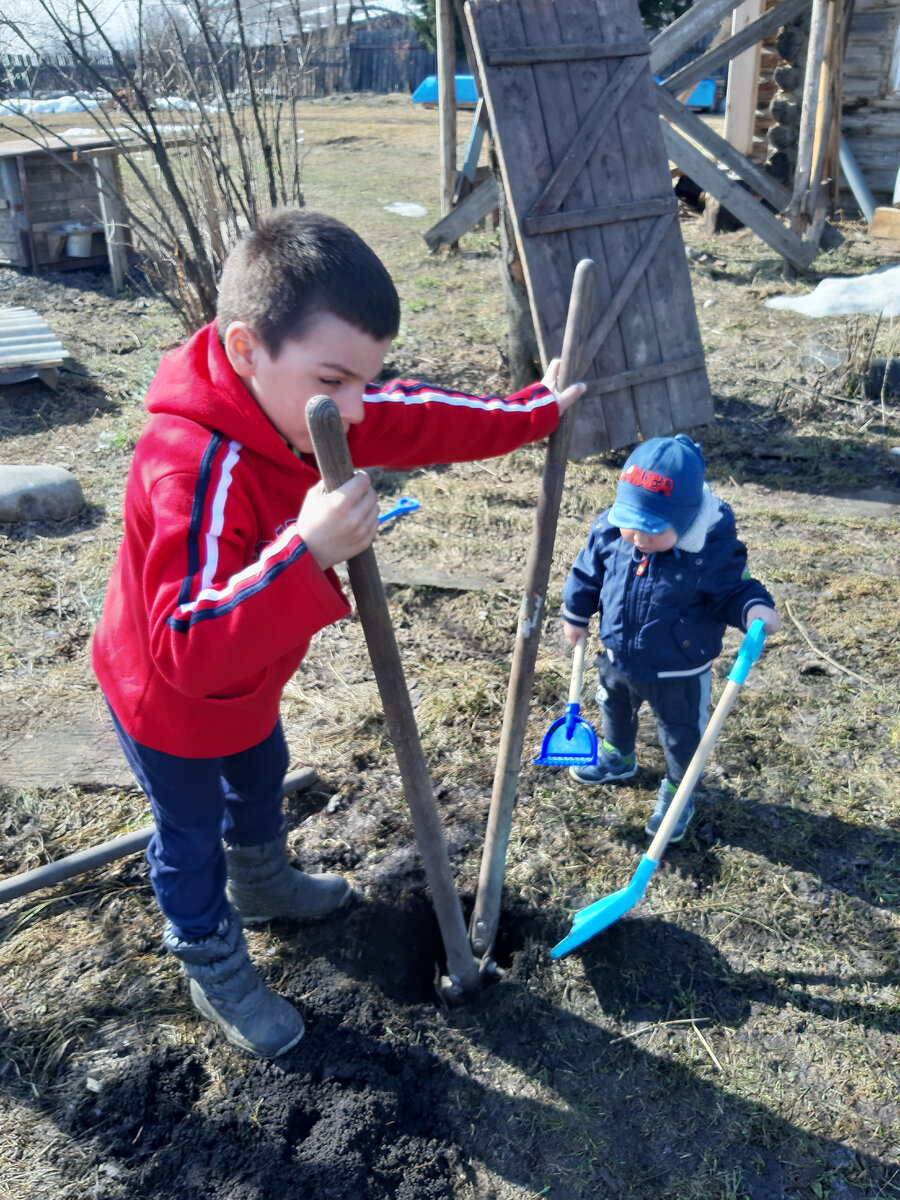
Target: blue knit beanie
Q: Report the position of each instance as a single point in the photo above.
(661, 485)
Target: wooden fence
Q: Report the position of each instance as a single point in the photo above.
(326, 61)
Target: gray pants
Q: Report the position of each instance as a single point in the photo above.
(680, 706)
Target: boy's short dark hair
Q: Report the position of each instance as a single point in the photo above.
(296, 265)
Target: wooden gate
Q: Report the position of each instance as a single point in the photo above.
(576, 127)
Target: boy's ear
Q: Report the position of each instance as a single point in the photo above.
(241, 348)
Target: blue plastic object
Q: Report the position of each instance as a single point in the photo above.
(590, 921)
(427, 91)
(404, 505)
(703, 95)
(569, 742)
(749, 651)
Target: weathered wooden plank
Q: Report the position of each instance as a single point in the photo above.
(672, 41)
(736, 199)
(610, 214)
(85, 753)
(698, 131)
(528, 55)
(632, 277)
(474, 208)
(114, 219)
(708, 63)
(885, 224)
(594, 123)
(664, 370)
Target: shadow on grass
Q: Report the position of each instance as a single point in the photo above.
(862, 861)
(31, 407)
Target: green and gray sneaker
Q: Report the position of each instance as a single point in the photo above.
(611, 767)
(663, 800)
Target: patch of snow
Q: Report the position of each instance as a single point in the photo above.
(878, 292)
(406, 208)
(22, 106)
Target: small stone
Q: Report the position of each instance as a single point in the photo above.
(93, 1084)
(709, 302)
(38, 493)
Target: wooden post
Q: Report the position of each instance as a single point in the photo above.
(803, 171)
(28, 232)
(828, 125)
(446, 56)
(743, 81)
(112, 215)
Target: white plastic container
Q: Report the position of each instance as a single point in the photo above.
(78, 243)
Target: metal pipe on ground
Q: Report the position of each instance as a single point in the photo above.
(855, 181)
(107, 852)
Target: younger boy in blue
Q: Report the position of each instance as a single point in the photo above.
(667, 574)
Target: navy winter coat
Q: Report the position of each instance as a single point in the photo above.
(670, 619)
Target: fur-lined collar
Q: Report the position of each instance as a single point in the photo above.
(694, 536)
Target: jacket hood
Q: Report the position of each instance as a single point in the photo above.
(694, 537)
(196, 381)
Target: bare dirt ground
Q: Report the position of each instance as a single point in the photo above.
(734, 1038)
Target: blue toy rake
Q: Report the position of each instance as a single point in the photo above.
(590, 921)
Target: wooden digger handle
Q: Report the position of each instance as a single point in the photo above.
(336, 467)
(486, 912)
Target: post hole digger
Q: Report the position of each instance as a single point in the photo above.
(596, 917)
(466, 963)
(336, 467)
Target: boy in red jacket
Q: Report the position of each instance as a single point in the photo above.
(225, 574)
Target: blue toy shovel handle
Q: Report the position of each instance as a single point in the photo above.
(406, 504)
(749, 652)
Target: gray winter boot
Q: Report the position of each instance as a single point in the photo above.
(226, 989)
(263, 885)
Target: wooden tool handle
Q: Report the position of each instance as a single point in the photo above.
(577, 670)
(486, 913)
(336, 466)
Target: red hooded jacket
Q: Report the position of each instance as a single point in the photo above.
(213, 597)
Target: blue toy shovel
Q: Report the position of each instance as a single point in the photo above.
(590, 921)
(404, 505)
(570, 741)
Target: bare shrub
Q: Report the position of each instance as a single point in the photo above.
(207, 129)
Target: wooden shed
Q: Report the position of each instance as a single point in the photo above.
(871, 119)
(60, 205)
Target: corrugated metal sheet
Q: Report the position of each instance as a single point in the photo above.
(27, 341)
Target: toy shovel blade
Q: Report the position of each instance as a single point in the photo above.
(590, 921)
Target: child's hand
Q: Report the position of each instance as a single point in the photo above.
(341, 524)
(768, 616)
(570, 395)
(574, 633)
